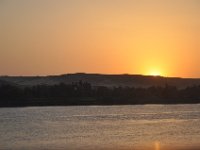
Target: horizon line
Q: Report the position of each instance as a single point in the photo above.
(92, 73)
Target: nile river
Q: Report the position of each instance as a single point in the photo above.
(100, 127)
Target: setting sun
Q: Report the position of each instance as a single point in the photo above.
(155, 73)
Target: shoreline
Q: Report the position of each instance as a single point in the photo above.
(81, 102)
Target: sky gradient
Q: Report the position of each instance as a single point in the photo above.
(42, 37)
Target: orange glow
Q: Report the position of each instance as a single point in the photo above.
(113, 37)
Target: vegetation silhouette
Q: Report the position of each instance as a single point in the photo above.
(83, 93)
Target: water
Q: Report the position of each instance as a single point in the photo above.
(100, 127)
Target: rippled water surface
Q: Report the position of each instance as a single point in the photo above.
(100, 127)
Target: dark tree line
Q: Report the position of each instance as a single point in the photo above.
(82, 93)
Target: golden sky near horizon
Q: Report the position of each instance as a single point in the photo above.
(41, 37)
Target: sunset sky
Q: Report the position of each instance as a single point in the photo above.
(42, 37)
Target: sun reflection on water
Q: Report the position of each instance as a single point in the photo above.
(156, 145)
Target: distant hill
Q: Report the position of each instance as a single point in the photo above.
(97, 89)
(124, 80)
